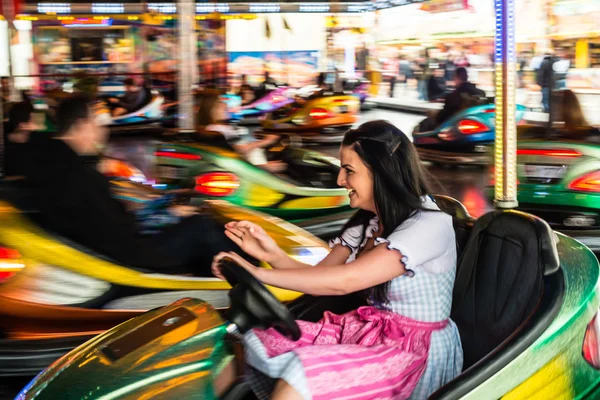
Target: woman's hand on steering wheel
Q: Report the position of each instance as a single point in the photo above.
(253, 240)
(216, 270)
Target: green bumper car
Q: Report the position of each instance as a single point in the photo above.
(531, 335)
(559, 180)
(306, 193)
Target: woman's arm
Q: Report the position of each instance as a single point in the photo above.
(378, 266)
(337, 256)
(255, 241)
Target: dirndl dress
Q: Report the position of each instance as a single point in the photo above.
(405, 349)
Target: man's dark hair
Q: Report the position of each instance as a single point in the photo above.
(461, 73)
(71, 110)
(3, 78)
(129, 82)
(18, 114)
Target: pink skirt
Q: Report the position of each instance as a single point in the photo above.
(364, 354)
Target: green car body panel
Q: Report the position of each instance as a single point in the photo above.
(554, 201)
(184, 361)
(258, 189)
(559, 193)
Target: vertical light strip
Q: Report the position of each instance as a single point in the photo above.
(505, 158)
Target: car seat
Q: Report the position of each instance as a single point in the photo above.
(461, 220)
(500, 279)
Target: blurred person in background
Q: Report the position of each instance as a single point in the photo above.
(212, 117)
(552, 74)
(575, 121)
(5, 94)
(16, 134)
(436, 85)
(423, 74)
(75, 200)
(267, 85)
(455, 100)
(246, 92)
(405, 72)
(462, 61)
(5, 89)
(129, 101)
(449, 68)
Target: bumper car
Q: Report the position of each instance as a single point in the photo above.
(273, 99)
(323, 119)
(305, 194)
(234, 102)
(146, 117)
(56, 294)
(559, 180)
(534, 337)
(466, 138)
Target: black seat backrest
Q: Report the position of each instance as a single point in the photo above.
(499, 281)
(461, 220)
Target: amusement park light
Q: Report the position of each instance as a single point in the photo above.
(163, 8)
(311, 7)
(264, 8)
(506, 130)
(54, 8)
(211, 8)
(108, 8)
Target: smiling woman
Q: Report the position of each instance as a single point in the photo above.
(409, 343)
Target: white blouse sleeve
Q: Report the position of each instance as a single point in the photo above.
(422, 240)
(350, 238)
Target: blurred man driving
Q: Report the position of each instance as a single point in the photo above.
(75, 201)
(454, 101)
(128, 102)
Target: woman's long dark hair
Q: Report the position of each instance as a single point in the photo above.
(399, 180)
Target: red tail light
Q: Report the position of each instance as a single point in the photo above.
(217, 184)
(318, 113)
(178, 155)
(548, 152)
(490, 111)
(469, 127)
(9, 263)
(591, 350)
(587, 183)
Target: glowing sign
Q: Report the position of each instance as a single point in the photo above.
(212, 8)
(265, 8)
(54, 8)
(163, 8)
(359, 7)
(313, 7)
(108, 8)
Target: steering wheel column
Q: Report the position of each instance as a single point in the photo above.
(253, 306)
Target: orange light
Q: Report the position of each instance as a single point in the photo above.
(7, 259)
(318, 113)
(217, 184)
(469, 127)
(548, 152)
(587, 183)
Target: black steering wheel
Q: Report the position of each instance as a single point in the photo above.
(253, 306)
